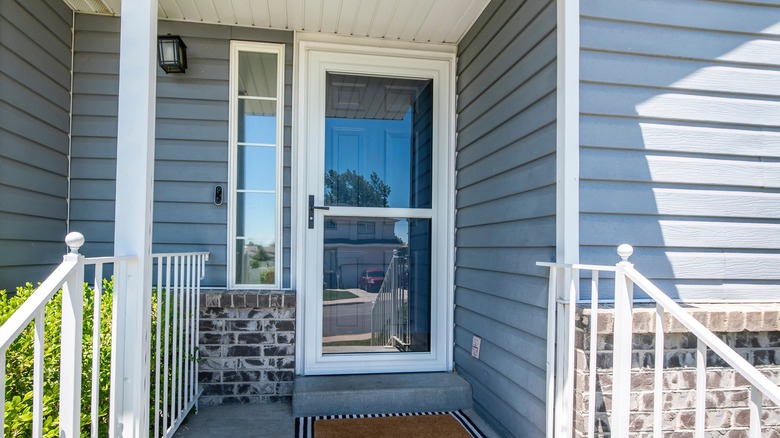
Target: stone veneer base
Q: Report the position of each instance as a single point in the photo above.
(247, 346)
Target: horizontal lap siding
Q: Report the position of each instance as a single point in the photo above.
(35, 62)
(680, 143)
(93, 160)
(506, 209)
(191, 152)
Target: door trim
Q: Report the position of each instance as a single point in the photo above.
(440, 66)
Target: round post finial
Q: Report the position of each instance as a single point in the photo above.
(74, 240)
(624, 251)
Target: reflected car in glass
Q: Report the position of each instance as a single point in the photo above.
(371, 279)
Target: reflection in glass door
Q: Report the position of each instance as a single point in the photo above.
(376, 293)
(376, 285)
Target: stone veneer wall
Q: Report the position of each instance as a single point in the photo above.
(753, 331)
(247, 346)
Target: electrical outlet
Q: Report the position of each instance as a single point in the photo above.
(476, 341)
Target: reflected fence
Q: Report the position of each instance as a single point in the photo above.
(390, 312)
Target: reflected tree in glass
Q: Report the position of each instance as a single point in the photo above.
(352, 189)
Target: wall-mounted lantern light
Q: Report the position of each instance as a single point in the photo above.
(171, 53)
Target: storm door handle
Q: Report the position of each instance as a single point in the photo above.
(313, 207)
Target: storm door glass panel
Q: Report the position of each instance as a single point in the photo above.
(256, 181)
(376, 285)
(378, 141)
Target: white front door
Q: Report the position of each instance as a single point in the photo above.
(376, 171)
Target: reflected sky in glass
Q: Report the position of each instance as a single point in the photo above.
(256, 217)
(256, 168)
(256, 128)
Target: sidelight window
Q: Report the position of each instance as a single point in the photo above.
(256, 108)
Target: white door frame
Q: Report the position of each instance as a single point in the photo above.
(314, 59)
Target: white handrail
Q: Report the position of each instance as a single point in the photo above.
(564, 287)
(760, 381)
(17, 322)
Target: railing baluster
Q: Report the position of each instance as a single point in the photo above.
(701, 387)
(201, 273)
(193, 319)
(180, 335)
(562, 408)
(552, 402)
(594, 332)
(658, 390)
(158, 287)
(756, 400)
(183, 336)
(37, 408)
(572, 295)
(96, 321)
(186, 323)
(167, 295)
(190, 330)
(621, 357)
(176, 343)
(566, 293)
(120, 272)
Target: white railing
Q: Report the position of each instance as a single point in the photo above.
(179, 295)
(563, 298)
(390, 310)
(177, 359)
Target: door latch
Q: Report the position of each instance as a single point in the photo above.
(313, 207)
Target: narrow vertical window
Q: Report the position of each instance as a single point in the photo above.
(256, 109)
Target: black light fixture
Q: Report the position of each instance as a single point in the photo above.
(171, 53)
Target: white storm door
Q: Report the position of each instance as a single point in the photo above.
(377, 182)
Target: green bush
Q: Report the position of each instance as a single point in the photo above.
(19, 364)
(19, 360)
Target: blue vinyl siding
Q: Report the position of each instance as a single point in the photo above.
(680, 143)
(506, 209)
(191, 155)
(35, 63)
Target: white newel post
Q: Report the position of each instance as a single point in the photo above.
(133, 220)
(70, 339)
(621, 351)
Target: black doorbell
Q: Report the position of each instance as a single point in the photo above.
(218, 195)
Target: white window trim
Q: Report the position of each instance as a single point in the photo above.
(309, 360)
(278, 50)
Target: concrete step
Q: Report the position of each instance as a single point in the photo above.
(379, 394)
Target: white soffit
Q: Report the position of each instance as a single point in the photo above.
(435, 21)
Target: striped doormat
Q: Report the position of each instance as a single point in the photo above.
(454, 424)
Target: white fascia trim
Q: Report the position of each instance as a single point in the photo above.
(349, 43)
(568, 133)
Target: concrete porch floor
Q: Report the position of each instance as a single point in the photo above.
(259, 421)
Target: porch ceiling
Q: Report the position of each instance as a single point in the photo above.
(436, 21)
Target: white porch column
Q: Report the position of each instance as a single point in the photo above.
(568, 132)
(567, 217)
(133, 222)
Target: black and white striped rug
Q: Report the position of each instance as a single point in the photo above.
(305, 426)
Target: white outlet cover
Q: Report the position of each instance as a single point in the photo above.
(476, 341)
